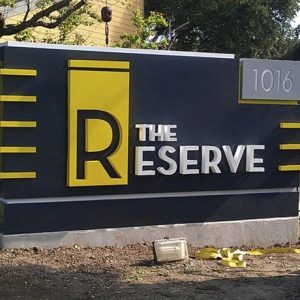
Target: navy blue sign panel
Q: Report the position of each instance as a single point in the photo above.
(198, 95)
(48, 216)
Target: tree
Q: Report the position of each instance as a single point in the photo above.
(247, 28)
(148, 34)
(294, 51)
(65, 15)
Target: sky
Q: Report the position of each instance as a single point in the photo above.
(296, 21)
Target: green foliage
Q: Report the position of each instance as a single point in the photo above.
(147, 31)
(43, 4)
(26, 35)
(294, 51)
(65, 33)
(247, 28)
(7, 3)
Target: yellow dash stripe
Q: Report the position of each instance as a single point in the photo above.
(17, 149)
(17, 98)
(17, 175)
(269, 102)
(18, 72)
(289, 147)
(290, 125)
(17, 124)
(98, 64)
(289, 168)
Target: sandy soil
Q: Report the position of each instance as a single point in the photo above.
(130, 273)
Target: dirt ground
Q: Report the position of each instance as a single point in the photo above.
(130, 273)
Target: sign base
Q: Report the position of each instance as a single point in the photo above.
(251, 233)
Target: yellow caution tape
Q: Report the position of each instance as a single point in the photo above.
(228, 258)
(238, 257)
(233, 263)
(226, 253)
(255, 252)
(235, 259)
(208, 253)
(273, 251)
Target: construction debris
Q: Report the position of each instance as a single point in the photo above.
(235, 258)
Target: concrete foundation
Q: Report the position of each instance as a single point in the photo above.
(252, 233)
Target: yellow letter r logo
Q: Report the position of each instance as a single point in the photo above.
(98, 123)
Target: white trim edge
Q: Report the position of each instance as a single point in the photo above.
(115, 50)
(150, 195)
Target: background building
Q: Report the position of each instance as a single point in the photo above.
(122, 13)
